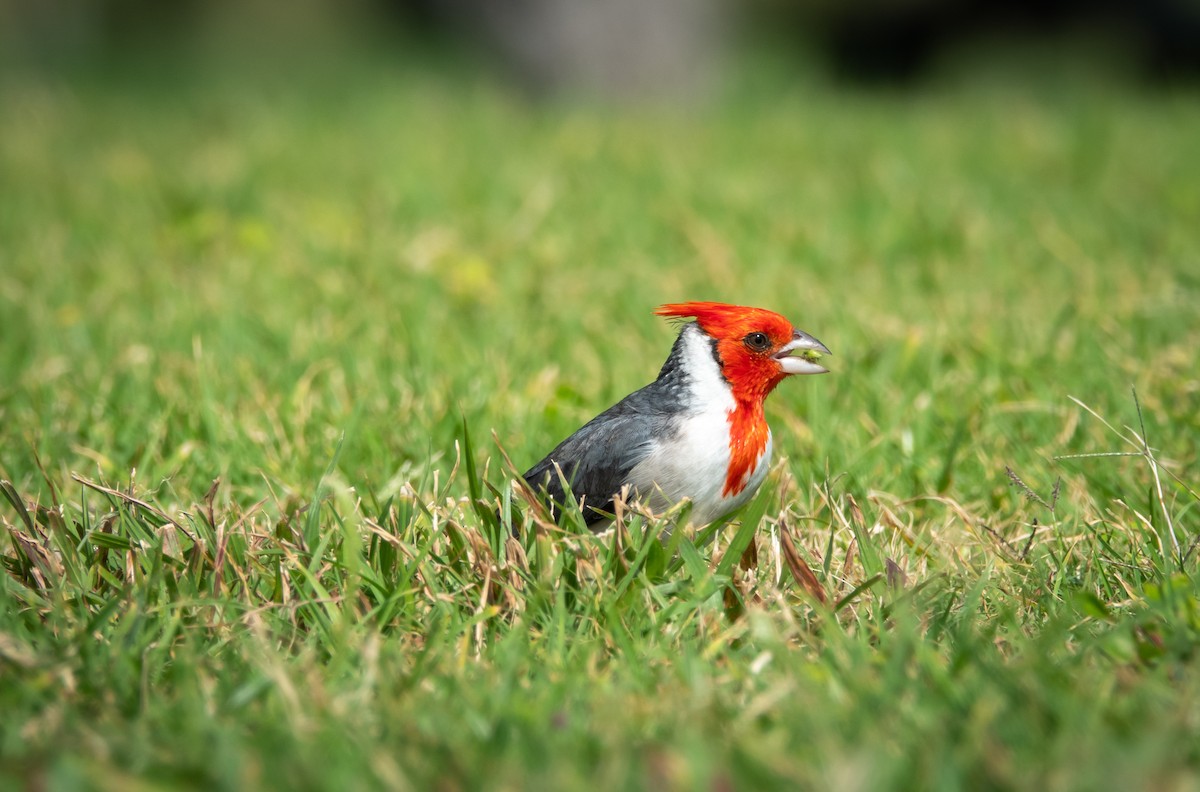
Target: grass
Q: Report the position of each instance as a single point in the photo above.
(262, 349)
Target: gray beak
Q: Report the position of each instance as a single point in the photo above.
(809, 349)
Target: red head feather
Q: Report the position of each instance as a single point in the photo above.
(722, 321)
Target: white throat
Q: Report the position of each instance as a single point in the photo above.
(707, 387)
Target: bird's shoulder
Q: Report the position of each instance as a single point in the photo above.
(618, 435)
(596, 459)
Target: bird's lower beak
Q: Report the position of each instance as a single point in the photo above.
(809, 352)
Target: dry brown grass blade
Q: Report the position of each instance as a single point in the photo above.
(801, 571)
(43, 566)
(517, 564)
(855, 511)
(131, 500)
(541, 516)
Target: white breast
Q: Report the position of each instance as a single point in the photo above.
(694, 462)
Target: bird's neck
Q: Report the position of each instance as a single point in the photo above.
(693, 371)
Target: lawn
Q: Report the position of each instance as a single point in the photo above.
(266, 345)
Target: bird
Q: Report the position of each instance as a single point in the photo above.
(697, 432)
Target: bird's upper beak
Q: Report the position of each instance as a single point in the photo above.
(800, 364)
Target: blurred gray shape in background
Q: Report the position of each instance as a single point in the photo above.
(612, 49)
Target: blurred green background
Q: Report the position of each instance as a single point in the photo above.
(298, 248)
(259, 226)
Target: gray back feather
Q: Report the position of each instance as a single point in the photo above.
(596, 460)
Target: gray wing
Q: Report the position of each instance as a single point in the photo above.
(596, 460)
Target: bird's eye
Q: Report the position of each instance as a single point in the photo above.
(758, 342)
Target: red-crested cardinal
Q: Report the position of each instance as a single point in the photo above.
(698, 431)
